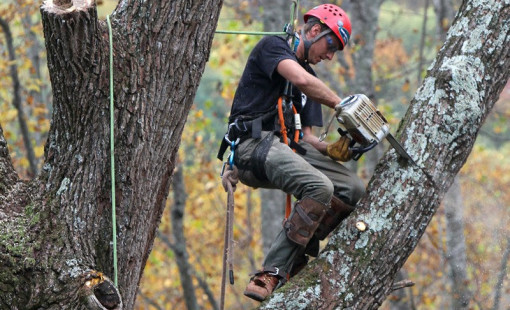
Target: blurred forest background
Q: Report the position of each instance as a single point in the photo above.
(188, 251)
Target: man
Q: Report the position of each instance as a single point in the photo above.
(325, 190)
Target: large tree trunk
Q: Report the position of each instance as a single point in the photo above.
(57, 228)
(357, 268)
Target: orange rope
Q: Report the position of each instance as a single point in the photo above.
(283, 131)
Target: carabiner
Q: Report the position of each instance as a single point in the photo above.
(231, 156)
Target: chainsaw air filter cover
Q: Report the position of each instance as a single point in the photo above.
(362, 120)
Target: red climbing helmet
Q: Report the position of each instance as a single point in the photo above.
(335, 18)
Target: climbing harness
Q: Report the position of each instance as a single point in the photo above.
(112, 153)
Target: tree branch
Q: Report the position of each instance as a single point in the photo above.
(401, 284)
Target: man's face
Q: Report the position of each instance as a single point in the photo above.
(325, 48)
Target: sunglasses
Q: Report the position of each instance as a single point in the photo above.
(332, 47)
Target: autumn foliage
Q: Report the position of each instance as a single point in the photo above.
(484, 179)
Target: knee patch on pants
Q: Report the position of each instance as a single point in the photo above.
(304, 220)
(334, 215)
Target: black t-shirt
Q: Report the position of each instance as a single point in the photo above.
(261, 85)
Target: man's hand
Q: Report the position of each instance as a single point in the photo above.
(338, 107)
(340, 149)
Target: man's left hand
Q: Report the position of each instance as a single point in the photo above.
(340, 149)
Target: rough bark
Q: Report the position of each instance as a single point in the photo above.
(357, 268)
(55, 230)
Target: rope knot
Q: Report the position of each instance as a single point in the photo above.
(230, 179)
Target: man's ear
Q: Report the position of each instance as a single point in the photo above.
(315, 30)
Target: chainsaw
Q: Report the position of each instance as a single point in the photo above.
(365, 125)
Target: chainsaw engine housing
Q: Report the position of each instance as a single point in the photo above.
(362, 120)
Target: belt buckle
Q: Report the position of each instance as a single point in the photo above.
(276, 272)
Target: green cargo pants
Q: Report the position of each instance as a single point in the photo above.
(311, 175)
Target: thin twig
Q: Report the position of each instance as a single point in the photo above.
(401, 284)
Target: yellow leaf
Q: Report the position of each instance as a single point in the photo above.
(39, 151)
(23, 162)
(40, 111)
(34, 87)
(9, 115)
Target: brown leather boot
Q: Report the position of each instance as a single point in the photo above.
(261, 285)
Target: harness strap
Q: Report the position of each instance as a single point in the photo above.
(308, 43)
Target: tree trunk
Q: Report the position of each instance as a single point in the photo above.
(366, 16)
(423, 37)
(456, 247)
(444, 17)
(366, 13)
(181, 254)
(357, 267)
(501, 276)
(56, 229)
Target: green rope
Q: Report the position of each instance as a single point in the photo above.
(256, 33)
(112, 157)
(293, 13)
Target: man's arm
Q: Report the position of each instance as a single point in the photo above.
(310, 85)
(309, 137)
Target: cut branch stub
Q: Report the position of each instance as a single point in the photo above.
(99, 292)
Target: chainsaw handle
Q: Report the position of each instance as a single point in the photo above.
(342, 132)
(357, 151)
